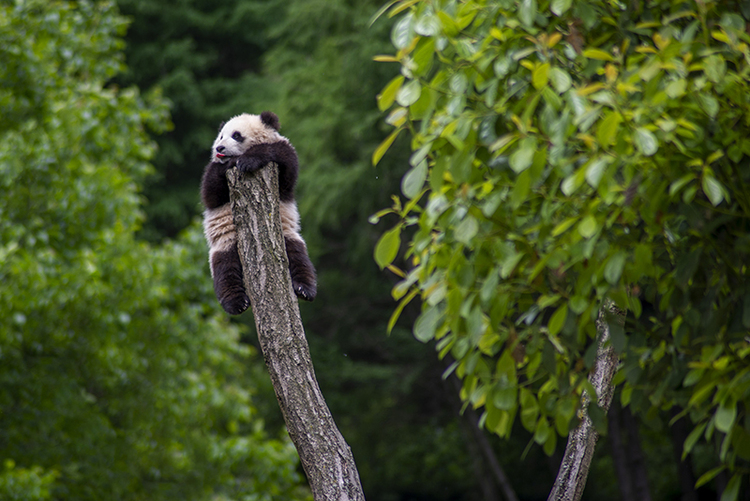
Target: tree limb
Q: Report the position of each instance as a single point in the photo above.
(574, 470)
(324, 454)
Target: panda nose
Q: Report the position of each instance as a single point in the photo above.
(219, 149)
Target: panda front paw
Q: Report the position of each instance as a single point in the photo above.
(249, 164)
(305, 292)
(236, 304)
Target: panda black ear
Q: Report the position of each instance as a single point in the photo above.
(221, 125)
(270, 119)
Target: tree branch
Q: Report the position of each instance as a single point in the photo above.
(574, 470)
(324, 454)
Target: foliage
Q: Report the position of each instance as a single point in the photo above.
(205, 58)
(565, 153)
(311, 63)
(116, 380)
(21, 484)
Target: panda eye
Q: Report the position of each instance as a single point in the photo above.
(237, 137)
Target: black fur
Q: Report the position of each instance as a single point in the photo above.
(226, 265)
(301, 269)
(228, 284)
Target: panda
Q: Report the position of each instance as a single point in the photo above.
(249, 142)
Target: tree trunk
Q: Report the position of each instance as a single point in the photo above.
(637, 462)
(324, 454)
(619, 453)
(571, 479)
(630, 464)
(680, 432)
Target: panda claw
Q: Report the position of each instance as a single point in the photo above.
(236, 305)
(305, 292)
(248, 164)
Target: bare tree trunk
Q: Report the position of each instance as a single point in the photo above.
(630, 464)
(637, 462)
(680, 432)
(324, 454)
(574, 470)
(619, 454)
(484, 445)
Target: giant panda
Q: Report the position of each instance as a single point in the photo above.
(249, 142)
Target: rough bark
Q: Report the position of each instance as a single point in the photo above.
(574, 470)
(324, 454)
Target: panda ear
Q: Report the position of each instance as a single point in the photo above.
(271, 120)
(221, 125)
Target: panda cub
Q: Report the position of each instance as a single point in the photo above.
(249, 142)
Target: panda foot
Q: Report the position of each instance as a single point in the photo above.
(305, 292)
(236, 304)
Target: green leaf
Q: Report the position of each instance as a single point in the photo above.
(426, 324)
(505, 399)
(645, 141)
(676, 88)
(520, 189)
(529, 409)
(560, 80)
(402, 33)
(588, 227)
(397, 311)
(450, 28)
(713, 189)
(613, 268)
(413, 181)
(691, 440)
(383, 147)
(540, 76)
(557, 321)
(725, 416)
(709, 104)
(386, 98)
(732, 491)
(409, 93)
(595, 171)
(387, 247)
(466, 230)
(676, 186)
(608, 128)
(598, 54)
(542, 431)
(560, 7)
(523, 157)
(686, 267)
(563, 226)
(527, 12)
(709, 475)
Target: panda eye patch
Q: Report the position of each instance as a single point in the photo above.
(237, 137)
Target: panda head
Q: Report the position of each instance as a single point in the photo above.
(243, 131)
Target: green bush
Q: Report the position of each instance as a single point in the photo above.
(565, 153)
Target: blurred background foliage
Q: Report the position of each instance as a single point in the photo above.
(120, 376)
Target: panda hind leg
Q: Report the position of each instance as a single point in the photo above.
(301, 269)
(228, 281)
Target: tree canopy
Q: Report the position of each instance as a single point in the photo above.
(117, 380)
(564, 154)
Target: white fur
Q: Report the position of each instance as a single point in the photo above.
(218, 223)
(218, 226)
(253, 130)
(290, 220)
